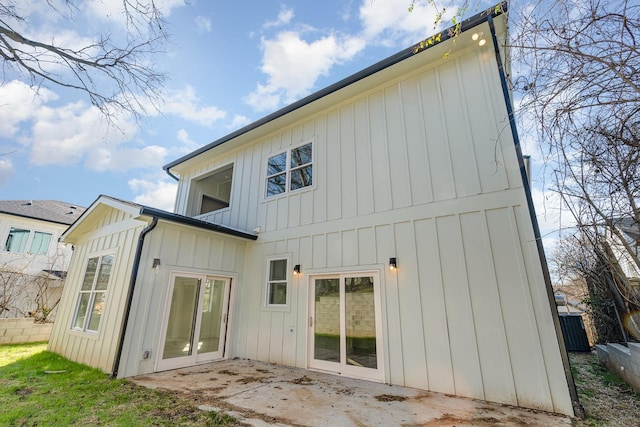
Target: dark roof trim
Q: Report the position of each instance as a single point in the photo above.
(34, 217)
(467, 24)
(181, 219)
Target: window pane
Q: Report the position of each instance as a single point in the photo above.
(327, 320)
(40, 243)
(360, 322)
(301, 155)
(96, 311)
(277, 293)
(277, 164)
(17, 240)
(81, 312)
(278, 270)
(92, 265)
(276, 185)
(105, 271)
(301, 177)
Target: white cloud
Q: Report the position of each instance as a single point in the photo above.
(105, 159)
(185, 103)
(158, 194)
(189, 144)
(203, 24)
(18, 101)
(284, 17)
(239, 121)
(389, 22)
(293, 65)
(6, 171)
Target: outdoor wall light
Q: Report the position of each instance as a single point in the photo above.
(296, 269)
(393, 264)
(479, 37)
(156, 264)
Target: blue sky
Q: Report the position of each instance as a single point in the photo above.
(228, 64)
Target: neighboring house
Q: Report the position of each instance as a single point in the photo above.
(381, 229)
(31, 259)
(625, 251)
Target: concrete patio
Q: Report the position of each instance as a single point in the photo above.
(262, 394)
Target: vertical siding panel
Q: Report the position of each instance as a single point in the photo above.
(241, 186)
(379, 154)
(306, 262)
(418, 159)
(334, 250)
(319, 251)
(548, 340)
(282, 212)
(187, 242)
(306, 207)
(321, 173)
(271, 214)
(436, 328)
(348, 163)
(488, 320)
(522, 335)
(481, 119)
(392, 337)
(275, 337)
(290, 317)
(349, 247)
(332, 168)
(366, 246)
(397, 149)
(465, 171)
(440, 166)
(464, 348)
(414, 358)
(252, 188)
(293, 215)
(363, 165)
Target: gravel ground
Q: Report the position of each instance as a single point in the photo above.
(607, 400)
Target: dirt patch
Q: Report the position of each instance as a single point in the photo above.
(390, 398)
(250, 379)
(227, 372)
(303, 380)
(345, 391)
(23, 392)
(263, 371)
(607, 400)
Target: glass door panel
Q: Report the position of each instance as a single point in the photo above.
(327, 320)
(182, 319)
(213, 318)
(345, 325)
(196, 323)
(360, 328)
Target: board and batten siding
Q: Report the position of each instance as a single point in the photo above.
(183, 249)
(115, 232)
(422, 168)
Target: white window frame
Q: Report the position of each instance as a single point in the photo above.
(29, 241)
(93, 292)
(286, 281)
(288, 170)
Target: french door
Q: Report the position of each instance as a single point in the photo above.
(345, 325)
(195, 320)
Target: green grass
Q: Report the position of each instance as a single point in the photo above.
(41, 388)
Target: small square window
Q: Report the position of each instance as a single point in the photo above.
(290, 170)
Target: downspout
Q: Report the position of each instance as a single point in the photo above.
(132, 285)
(573, 392)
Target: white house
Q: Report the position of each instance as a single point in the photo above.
(30, 253)
(381, 229)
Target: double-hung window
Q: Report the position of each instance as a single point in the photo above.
(277, 284)
(290, 170)
(93, 293)
(19, 239)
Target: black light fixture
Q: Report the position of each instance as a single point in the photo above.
(393, 263)
(296, 269)
(156, 263)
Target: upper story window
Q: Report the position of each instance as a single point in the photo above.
(212, 192)
(19, 239)
(290, 170)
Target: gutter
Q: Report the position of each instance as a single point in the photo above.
(578, 410)
(132, 284)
